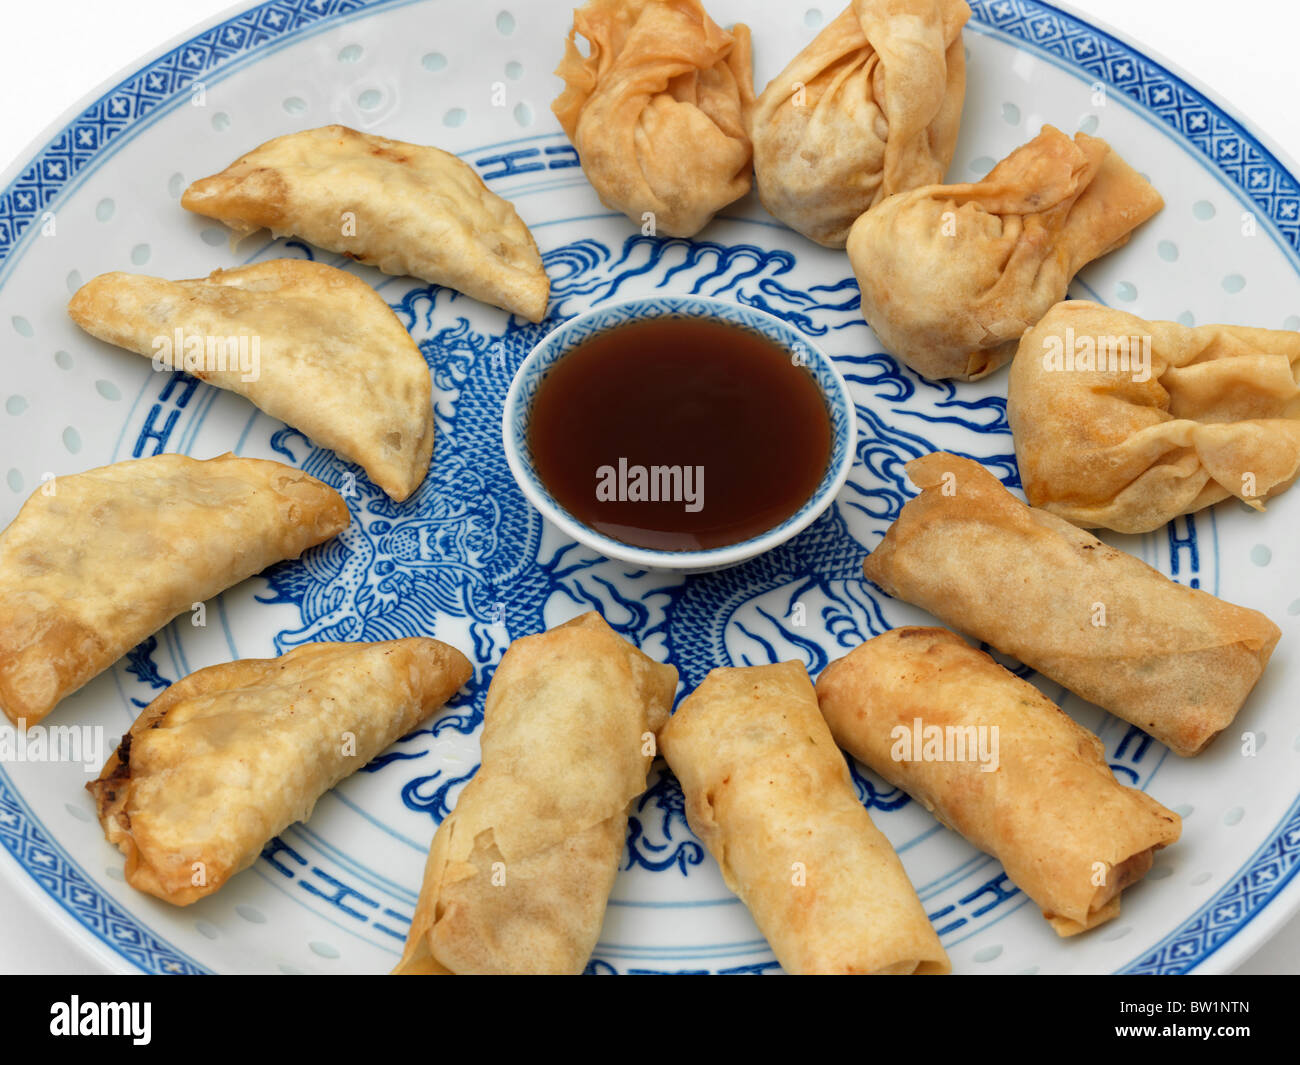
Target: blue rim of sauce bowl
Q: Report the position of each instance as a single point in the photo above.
(564, 338)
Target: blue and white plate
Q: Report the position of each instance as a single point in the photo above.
(467, 560)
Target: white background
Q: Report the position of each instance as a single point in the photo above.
(59, 50)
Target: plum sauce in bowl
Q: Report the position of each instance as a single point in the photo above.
(678, 432)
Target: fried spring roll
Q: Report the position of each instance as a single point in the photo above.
(1046, 804)
(770, 795)
(231, 755)
(519, 873)
(1172, 660)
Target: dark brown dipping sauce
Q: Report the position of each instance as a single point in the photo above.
(689, 393)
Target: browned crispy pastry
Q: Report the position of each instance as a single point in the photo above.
(658, 110)
(230, 756)
(97, 561)
(1172, 660)
(1125, 424)
(770, 795)
(330, 357)
(519, 873)
(953, 275)
(403, 208)
(869, 108)
(1032, 788)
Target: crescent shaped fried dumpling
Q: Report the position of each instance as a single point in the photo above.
(659, 110)
(869, 108)
(312, 346)
(403, 208)
(1124, 424)
(230, 756)
(952, 275)
(95, 562)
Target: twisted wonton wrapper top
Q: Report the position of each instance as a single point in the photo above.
(1216, 414)
(232, 755)
(658, 112)
(403, 208)
(770, 795)
(1049, 810)
(1172, 660)
(953, 275)
(870, 108)
(97, 561)
(520, 871)
(333, 360)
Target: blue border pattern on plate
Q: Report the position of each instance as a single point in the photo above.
(1224, 142)
(23, 836)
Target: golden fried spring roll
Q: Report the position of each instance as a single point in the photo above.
(1172, 660)
(231, 755)
(1026, 783)
(520, 871)
(770, 795)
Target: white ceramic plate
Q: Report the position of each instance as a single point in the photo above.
(467, 560)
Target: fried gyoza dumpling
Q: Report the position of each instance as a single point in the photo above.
(403, 208)
(658, 111)
(870, 108)
(1125, 424)
(309, 344)
(230, 756)
(953, 275)
(97, 561)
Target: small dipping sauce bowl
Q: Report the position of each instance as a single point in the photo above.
(740, 357)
